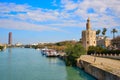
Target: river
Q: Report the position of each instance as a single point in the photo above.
(29, 64)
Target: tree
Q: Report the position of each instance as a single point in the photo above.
(95, 50)
(114, 31)
(73, 52)
(98, 32)
(1, 48)
(104, 31)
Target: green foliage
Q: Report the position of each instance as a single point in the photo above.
(64, 43)
(97, 49)
(91, 50)
(1, 47)
(104, 31)
(59, 46)
(100, 50)
(98, 32)
(73, 52)
(114, 31)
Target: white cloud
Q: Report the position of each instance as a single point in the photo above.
(69, 4)
(101, 17)
(70, 14)
(13, 24)
(8, 7)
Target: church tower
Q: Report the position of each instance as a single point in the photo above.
(88, 36)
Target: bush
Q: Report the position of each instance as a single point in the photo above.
(1, 47)
(100, 50)
(72, 53)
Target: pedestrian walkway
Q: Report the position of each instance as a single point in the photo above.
(106, 64)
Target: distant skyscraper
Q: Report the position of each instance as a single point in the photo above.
(10, 38)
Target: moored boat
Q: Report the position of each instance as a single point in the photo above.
(51, 53)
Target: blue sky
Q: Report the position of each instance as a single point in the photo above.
(33, 21)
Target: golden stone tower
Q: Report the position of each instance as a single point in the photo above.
(88, 36)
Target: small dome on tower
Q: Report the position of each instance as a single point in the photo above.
(88, 19)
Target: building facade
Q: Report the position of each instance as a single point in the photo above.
(88, 36)
(103, 42)
(116, 42)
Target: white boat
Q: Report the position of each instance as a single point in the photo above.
(44, 50)
(51, 53)
(38, 49)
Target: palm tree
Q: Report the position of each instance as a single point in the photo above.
(114, 31)
(98, 32)
(104, 31)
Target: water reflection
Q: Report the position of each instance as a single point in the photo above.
(10, 50)
(56, 61)
(52, 60)
(9, 55)
(9, 73)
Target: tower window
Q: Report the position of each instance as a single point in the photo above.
(87, 42)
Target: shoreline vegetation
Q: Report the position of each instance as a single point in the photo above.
(2, 48)
(73, 50)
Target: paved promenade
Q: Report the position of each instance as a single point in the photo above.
(106, 64)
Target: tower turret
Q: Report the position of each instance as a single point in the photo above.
(88, 26)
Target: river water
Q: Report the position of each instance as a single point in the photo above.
(29, 64)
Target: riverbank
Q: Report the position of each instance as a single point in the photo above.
(2, 48)
(101, 68)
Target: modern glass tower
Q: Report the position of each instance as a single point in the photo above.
(10, 38)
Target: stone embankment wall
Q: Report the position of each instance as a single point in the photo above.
(97, 72)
